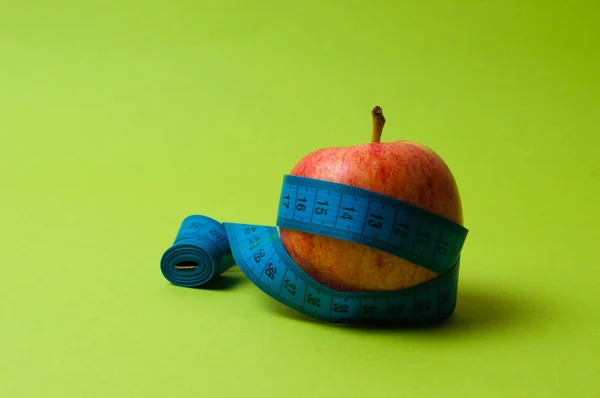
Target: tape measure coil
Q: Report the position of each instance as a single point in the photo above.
(200, 253)
(260, 254)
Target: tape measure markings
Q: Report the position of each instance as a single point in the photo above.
(270, 268)
(394, 206)
(368, 218)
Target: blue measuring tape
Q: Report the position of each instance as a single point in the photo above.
(203, 252)
(365, 217)
(199, 254)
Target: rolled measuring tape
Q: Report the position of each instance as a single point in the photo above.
(339, 211)
(199, 254)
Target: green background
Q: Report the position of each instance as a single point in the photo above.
(120, 118)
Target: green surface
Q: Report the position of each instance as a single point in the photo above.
(120, 118)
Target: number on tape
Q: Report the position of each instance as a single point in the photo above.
(368, 218)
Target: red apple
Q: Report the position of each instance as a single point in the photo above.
(404, 170)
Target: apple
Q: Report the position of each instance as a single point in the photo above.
(402, 169)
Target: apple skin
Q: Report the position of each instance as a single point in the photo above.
(404, 170)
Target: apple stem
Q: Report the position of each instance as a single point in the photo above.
(378, 122)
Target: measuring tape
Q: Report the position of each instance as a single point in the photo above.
(199, 254)
(366, 217)
(339, 211)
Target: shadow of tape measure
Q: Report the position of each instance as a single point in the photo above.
(205, 248)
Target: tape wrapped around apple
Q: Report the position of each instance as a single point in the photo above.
(402, 169)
